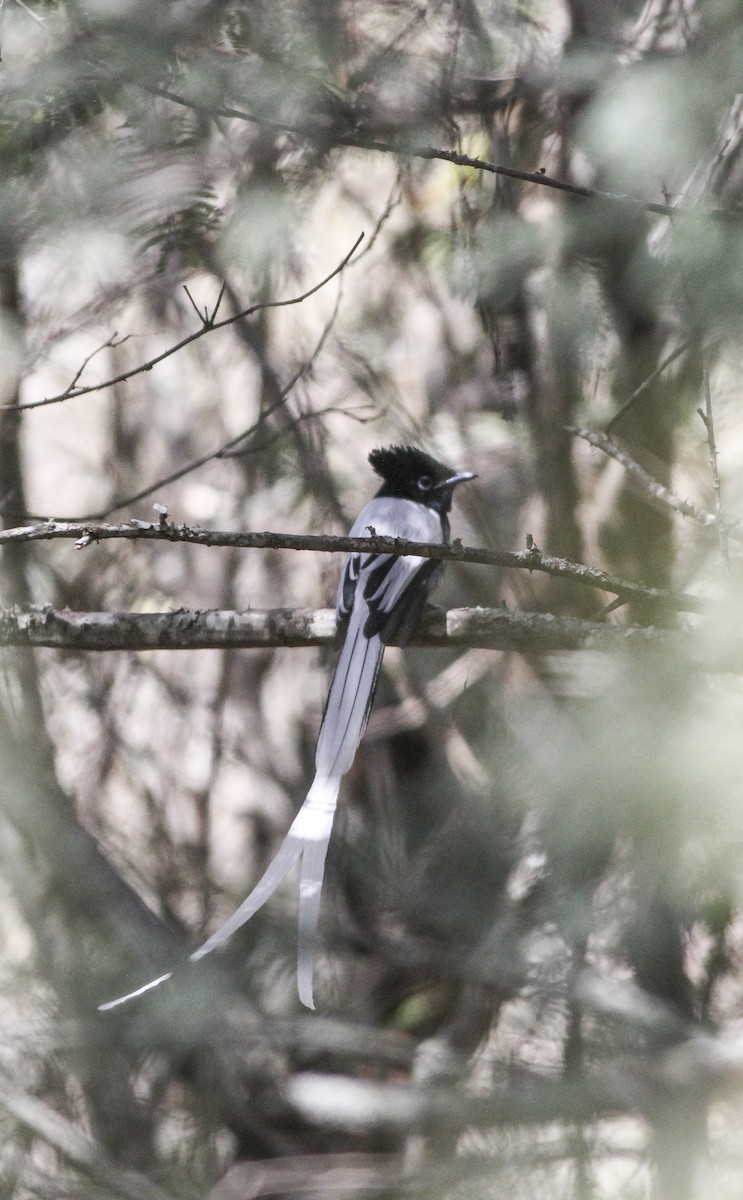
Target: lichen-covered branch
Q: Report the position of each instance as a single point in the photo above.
(484, 628)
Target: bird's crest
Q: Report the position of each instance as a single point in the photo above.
(401, 465)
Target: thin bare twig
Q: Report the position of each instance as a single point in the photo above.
(306, 367)
(208, 324)
(393, 201)
(362, 415)
(656, 492)
(537, 177)
(110, 344)
(232, 448)
(646, 383)
(203, 316)
(709, 425)
(222, 451)
(531, 559)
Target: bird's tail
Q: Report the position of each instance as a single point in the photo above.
(315, 827)
(308, 838)
(346, 712)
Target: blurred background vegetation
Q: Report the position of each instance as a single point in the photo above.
(531, 979)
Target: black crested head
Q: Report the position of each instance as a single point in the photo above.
(411, 474)
(403, 467)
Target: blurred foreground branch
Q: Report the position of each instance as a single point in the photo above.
(314, 127)
(78, 1149)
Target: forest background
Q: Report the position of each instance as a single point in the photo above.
(241, 244)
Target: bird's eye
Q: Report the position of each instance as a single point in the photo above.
(425, 483)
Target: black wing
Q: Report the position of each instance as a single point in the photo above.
(396, 597)
(347, 592)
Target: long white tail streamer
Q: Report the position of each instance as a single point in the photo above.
(376, 589)
(346, 713)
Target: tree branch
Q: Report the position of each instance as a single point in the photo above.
(538, 177)
(208, 324)
(78, 1149)
(708, 421)
(531, 559)
(209, 629)
(649, 380)
(627, 1084)
(656, 492)
(235, 446)
(342, 137)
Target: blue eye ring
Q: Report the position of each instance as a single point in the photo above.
(425, 483)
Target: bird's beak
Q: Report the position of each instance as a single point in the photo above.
(453, 480)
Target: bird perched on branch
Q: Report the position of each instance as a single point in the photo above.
(380, 600)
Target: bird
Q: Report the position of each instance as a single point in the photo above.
(380, 599)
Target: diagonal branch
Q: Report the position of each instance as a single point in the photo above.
(234, 446)
(208, 324)
(77, 1148)
(538, 177)
(656, 492)
(649, 380)
(707, 416)
(343, 137)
